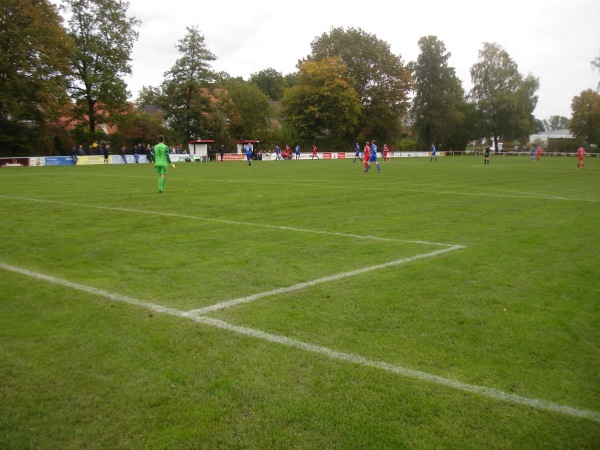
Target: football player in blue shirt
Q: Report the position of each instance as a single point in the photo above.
(373, 157)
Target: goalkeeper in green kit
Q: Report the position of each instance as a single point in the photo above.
(161, 162)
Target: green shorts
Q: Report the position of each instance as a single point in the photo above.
(161, 170)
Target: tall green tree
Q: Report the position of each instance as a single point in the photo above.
(188, 103)
(378, 76)
(250, 113)
(505, 98)
(104, 38)
(291, 80)
(437, 103)
(596, 64)
(556, 123)
(270, 82)
(585, 123)
(323, 102)
(34, 60)
(148, 96)
(539, 126)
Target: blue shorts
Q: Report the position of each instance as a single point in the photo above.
(373, 157)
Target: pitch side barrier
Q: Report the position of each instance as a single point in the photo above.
(86, 160)
(270, 156)
(36, 161)
(528, 154)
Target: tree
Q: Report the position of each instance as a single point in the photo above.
(374, 72)
(291, 79)
(188, 104)
(539, 126)
(438, 96)
(504, 97)
(270, 82)
(596, 65)
(34, 59)
(585, 123)
(323, 102)
(104, 38)
(136, 126)
(250, 111)
(148, 96)
(556, 123)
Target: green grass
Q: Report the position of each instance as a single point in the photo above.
(514, 307)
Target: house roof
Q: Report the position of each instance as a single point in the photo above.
(554, 134)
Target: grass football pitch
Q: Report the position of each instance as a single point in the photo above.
(301, 304)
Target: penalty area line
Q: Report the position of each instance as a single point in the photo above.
(306, 284)
(494, 394)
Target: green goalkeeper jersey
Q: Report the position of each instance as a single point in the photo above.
(161, 155)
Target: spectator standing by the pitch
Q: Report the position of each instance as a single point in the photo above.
(106, 152)
(486, 155)
(136, 153)
(222, 151)
(149, 153)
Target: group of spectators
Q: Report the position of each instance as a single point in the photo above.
(103, 149)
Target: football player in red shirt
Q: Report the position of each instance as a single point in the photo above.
(580, 154)
(367, 155)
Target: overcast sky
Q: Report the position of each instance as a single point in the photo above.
(553, 40)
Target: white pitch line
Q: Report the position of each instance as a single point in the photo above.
(296, 287)
(484, 391)
(494, 394)
(91, 290)
(229, 222)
